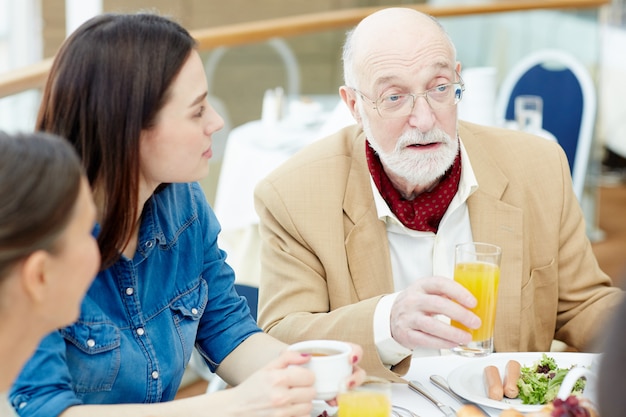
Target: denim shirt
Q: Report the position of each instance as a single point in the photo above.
(141, 318)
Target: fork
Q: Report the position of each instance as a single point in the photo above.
(398, 411)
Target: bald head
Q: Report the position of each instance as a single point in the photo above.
(393, 31)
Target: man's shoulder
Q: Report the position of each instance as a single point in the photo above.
(499, 137)
(524, 160)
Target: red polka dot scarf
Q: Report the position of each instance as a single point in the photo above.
(425, 211)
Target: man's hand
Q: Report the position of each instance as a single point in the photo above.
(413, 314)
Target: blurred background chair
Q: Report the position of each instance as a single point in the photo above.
(197, 363)
(251, 294)
(291, 87)
(569, 103)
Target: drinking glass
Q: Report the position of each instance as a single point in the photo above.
(370, 399)
(477, 268)
(529, 112)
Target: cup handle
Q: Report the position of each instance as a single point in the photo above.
(570, 379)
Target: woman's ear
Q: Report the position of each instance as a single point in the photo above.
(33, 275)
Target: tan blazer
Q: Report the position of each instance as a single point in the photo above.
(325, 255)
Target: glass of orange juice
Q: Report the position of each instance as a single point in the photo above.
(370, 399)
(477, 268)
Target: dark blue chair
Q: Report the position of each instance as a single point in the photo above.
(251, 294)
(569, 103)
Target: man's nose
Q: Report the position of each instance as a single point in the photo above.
(422, 116)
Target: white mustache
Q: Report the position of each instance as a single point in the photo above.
(415, 137)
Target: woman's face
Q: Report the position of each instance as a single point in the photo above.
(73, 266)
(178, 147)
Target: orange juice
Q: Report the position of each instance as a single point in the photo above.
(364, 404)
(482, 280)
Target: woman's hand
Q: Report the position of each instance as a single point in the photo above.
(358, 374)
(278, 389)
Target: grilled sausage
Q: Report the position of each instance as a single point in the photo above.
(511, 376)
(493, 383)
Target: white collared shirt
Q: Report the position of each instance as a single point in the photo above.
(415, 254)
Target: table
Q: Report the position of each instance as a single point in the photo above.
(252, 151)
(423, 367)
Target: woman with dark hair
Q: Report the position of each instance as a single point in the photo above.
(48, 256)
(130, 93)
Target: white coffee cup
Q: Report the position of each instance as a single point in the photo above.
(329, 361)
(574, 375)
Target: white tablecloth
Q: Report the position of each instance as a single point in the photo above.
(252, 151)
(256, 148)
(421, 369)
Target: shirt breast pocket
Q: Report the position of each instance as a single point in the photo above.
(93, 355)
(187, 310)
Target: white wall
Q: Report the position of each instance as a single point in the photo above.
(78, 11)
(611, 108)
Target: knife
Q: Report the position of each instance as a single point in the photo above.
(420, 389)
(441, 383)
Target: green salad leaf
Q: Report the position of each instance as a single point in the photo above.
(539, 382)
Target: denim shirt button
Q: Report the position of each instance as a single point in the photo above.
(194, 311)
(148, 244)
(91, 343)
(155, 375)
(129, 291)
(140, 331)
(22, 405)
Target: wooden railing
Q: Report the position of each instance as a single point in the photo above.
(34, 76)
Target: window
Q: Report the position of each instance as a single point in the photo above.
(20, 45)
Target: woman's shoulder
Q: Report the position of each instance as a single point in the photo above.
(179, 191)
(180, 198)
(180, 205)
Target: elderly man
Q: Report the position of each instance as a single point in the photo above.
(359, 229)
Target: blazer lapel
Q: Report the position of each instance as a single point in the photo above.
(495, 221)
(366, 237)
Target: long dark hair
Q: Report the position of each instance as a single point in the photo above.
(39, 185)
(107, 83)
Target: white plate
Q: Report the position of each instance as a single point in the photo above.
(467, 380)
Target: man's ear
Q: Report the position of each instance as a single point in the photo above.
(349, 97)
(33, 275)
(458, 67)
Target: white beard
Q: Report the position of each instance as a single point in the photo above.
(422, 168)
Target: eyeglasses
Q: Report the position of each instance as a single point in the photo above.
(401, 105)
